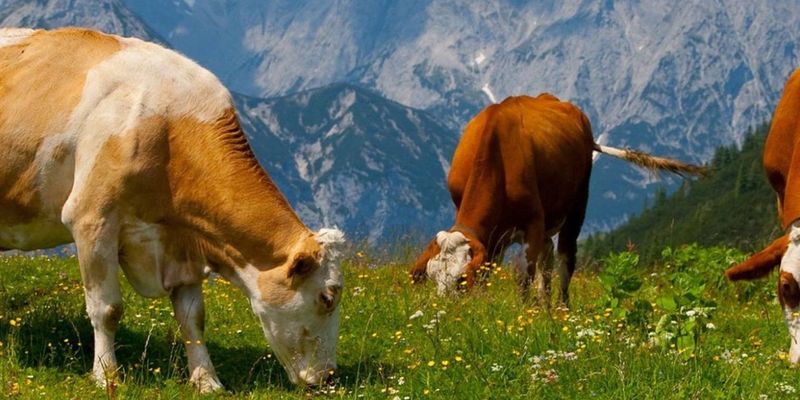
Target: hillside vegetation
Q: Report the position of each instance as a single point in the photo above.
(734, 206)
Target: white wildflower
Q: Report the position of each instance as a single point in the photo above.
(785, 388)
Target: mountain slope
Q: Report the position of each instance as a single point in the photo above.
(342, 155)
(676, 78)
(735, 206)
(110, 16)
(345, 156)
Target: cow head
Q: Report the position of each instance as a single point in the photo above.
(451, 260)
(786, 252)
(297, 303)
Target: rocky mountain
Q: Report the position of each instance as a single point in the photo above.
(341, 154)
(676, 78)
(347, 157)
(107, 15)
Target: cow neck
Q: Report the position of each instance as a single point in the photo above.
(479, 211)
(466, 230)
(224, 196)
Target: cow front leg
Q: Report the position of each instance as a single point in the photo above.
(96, 240)
(187, 301)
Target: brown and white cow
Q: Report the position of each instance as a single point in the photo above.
(782, 165)
(136, 154)
(521, 174)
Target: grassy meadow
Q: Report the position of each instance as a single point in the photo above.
(675, 330)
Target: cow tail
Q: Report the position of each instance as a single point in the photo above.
(651, 162)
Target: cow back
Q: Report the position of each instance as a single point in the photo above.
(521, 159)
(781, 156)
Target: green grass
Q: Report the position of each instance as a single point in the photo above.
(487, 344)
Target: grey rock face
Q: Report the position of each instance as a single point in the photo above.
(674, 78)
(111, 16)
(347, 157)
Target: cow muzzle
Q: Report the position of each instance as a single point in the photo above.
(317, 377)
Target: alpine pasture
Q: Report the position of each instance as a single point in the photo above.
(676, 329)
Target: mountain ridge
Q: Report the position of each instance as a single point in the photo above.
(676, 79)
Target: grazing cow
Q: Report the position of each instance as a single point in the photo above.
(782, 164)
(136, 155)
(521, 174)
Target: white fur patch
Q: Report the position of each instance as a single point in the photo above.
(139, 81)
(447, 267)
(10, 36)
(791, 264)
(331, 240)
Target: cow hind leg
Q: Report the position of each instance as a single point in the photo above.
(96, 240)
(545, 263)
(187, 302)
(534, 243)
(567, 260)
(568, 246)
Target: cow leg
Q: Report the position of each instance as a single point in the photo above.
(534, 238)
(187, 301)
(545, 262)
(96, 239)
(567, 250)
(568, 244)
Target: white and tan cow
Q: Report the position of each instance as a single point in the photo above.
(136, 155)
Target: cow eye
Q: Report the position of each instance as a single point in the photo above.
(302, 266)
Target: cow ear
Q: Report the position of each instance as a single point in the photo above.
(420, 269)
(302, 265)
(478, 254)
(761, 263)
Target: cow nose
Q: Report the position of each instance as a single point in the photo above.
(331, 379)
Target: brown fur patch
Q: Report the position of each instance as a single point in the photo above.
(420, 269)
(478, 254)
(223, 192)
(788, 290)
(760, 264)
(112, 316)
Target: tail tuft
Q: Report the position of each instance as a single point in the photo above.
(653, 163)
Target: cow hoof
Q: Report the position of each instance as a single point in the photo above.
(105, 379)
(205, 382)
